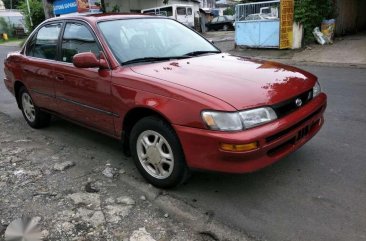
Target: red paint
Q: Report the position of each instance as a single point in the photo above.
(179, 91)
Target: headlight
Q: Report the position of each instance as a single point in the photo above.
(257, 117)
(223, 121)
(316, 89)
(235, 121)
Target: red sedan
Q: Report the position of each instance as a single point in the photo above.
(174, 100)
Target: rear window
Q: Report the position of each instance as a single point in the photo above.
(44, 43)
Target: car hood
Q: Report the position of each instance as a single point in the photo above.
(241, 82)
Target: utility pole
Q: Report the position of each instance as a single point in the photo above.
(30, 14)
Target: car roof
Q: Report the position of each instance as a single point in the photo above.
(93, 18)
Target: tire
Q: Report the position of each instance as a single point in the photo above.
(152, 141)
(225, 28)
(35, 117)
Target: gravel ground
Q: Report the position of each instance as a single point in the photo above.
(75, 195)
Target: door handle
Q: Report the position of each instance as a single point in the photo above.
(60, 77)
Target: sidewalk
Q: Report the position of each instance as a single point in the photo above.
(12, 43)
(346, 51)
(77, 194)
(350, 50)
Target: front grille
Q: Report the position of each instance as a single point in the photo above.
(284, 132)
(302, 133)
(289, 106)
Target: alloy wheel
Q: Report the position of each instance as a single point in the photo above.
(28, 107)
(155, 154)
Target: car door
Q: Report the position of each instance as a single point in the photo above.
(37, 67)
(190, 17)
(182, 15)
(83, 94)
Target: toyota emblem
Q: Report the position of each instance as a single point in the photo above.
(298, 102)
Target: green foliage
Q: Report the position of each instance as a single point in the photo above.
(5, 27)
(310, 14)
(116, 9)
(229, 11)
(36, 13)
(11, 4)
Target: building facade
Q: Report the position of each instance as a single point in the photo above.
(126, 6)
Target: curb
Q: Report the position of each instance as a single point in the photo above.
(222, 40)
(199, 221)
(312, 63)
(11, 44)
(290, 61)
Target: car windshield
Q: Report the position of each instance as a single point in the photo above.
(152, 39)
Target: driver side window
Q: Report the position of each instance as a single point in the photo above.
(77, 39)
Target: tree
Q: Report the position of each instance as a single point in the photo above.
(229, 11)
(310, 14)
(11, 4)
(5, 27)
(48, 9)
(36, 15)
(102, 3)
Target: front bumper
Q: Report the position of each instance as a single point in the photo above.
(276, 140)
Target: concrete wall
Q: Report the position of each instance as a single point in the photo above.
(351, 16)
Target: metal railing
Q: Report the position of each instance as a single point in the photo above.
(257, 11)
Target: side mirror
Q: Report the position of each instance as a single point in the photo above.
(88, 60)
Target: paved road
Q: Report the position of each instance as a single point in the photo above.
(316, 194)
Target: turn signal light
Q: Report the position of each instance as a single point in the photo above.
(239, 147)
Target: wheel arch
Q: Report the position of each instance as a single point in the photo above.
(17, 86)
(132, 117)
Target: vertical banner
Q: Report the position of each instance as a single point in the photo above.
(92, 6)
(83, 6)
(286, 23)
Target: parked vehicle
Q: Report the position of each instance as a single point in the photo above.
(225, 23)
(258, 16)
(174, 100)
(180, 12)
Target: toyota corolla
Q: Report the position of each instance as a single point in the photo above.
(175, 101)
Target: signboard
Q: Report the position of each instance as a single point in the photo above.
(61, 7)
(64, 7)
(286, 23)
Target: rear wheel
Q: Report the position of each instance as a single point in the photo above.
(35, 117)
(157, 153)
(225, 28)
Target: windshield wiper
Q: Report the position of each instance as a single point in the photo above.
(197, 53)
(152, 59)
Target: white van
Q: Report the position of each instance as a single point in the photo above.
(180, 12)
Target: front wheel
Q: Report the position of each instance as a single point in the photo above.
(157, 153)
(35, 117)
